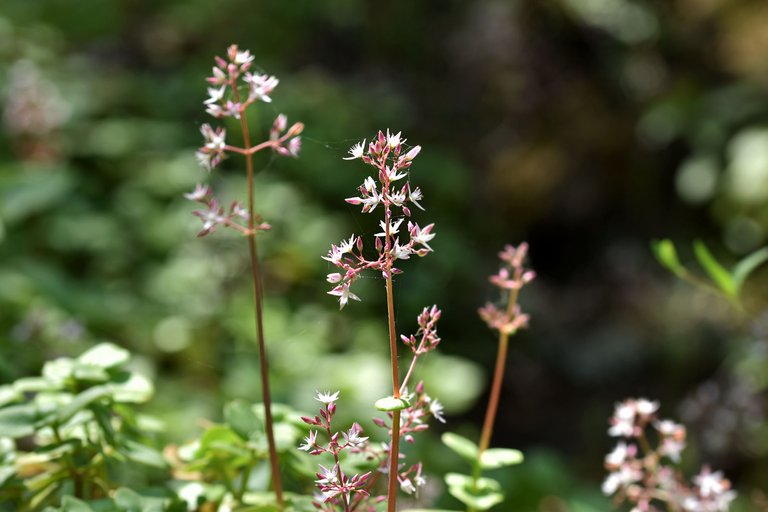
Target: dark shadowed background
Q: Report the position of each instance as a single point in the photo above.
(586, 127)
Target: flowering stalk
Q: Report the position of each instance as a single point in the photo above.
(511, 278)
(229, 98)
(338, 491)
(643, 476)
(385, 154)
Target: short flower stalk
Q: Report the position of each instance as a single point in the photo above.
(234, 88)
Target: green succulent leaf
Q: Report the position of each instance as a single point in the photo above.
(18, 420)
(719, 275)
(390, 403)
(499, 457)
(667, 255)
(462, 446)
(72, 504)
(135, 389)
(480, 494)
(105, 355)
(143, 454)
(81, 401)
(747, 265)
(242, 419)
(131, 501)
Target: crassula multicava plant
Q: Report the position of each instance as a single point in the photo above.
(388, 191)
(235, 86)
(475, 491)
(642, 468)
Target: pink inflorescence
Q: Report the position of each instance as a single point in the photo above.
(234, 87)
(512, 276)
(646, 476)
(386, 154)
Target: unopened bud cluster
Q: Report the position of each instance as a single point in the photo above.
(426, 337)
(645, 476)
(386, 154)
(512, 276)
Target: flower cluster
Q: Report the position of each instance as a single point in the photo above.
(512, 276)
(386, 154)
(234, 89)
(215, 215)
(426, 337)
(643, 476)
(337, 489)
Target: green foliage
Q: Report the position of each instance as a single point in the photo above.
(390, 403)
(228, 458)
(729, 283)
(478, 493)
(69, 433)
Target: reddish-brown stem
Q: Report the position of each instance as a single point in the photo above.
(498, 374)
(258, 313)
(394, 448)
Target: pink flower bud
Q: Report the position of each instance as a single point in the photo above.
(410, 155)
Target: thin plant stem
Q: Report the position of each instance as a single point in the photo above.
(394, 448)
(408, 375)
(258, 313)
(498, 377)
(71, 467)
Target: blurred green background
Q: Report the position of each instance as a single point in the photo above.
(586, 127)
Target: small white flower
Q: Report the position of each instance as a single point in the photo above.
(309, 442)
(356, 151)
(645, 407)
(407, 486)
(415, 196)
(326, 397)
(327, 476)
(243, 57)
(344, 294)
(394, 227)
(436, 410)
(617, 456)
(261, 86)
(215, 95)
(393, 140)
(200, 193)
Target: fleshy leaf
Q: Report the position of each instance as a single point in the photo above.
(493, 458)
(390, 403)
(105, 355)
(462, 446)
(18, 420)
(80, 402)
(241, 418)
(667, 255)
(480, 494)
(721, 277)
(748, 265)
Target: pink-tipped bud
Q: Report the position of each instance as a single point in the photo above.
(333, 278)
(410, 155)
(379, 422)
(409, 438)
(295, 129)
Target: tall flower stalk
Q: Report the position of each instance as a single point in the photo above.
(475, 491)
(233, 89)
(512, 276)
(385, 154)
